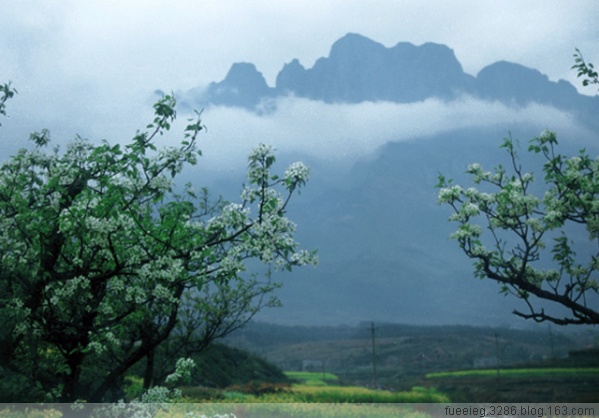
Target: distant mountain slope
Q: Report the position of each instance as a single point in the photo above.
(384, 246)
(359, 69)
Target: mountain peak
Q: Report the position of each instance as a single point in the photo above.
(291, 77)
(354, 43)
(243, 86)
(244, 72)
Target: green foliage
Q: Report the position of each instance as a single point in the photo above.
(103, 261)
(584, 69)
(522, 224)
(6, 93)
(133, 388)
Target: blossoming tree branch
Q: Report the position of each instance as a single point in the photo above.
(526, 232)
(520, 225)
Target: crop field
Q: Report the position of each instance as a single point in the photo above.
(313, 378)
(358, 394)
(313, 388)
(525, 372)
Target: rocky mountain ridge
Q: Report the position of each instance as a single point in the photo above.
(359, 69)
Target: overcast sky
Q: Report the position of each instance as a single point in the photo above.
(88, 67)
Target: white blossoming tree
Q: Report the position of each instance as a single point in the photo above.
(527, 232)
(535, 245)
(102, 260)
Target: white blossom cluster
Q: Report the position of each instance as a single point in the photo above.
(161, 183)
(297, 173)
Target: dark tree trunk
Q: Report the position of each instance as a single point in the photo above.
(149, 374)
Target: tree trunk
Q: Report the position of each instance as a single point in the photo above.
(149, 374)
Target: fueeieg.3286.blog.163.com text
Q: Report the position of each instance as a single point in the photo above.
(520, 411)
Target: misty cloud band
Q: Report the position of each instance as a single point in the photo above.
(344, 133)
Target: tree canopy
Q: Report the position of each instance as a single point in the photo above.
(103, 257)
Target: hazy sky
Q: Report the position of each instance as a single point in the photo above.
(90, 67)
